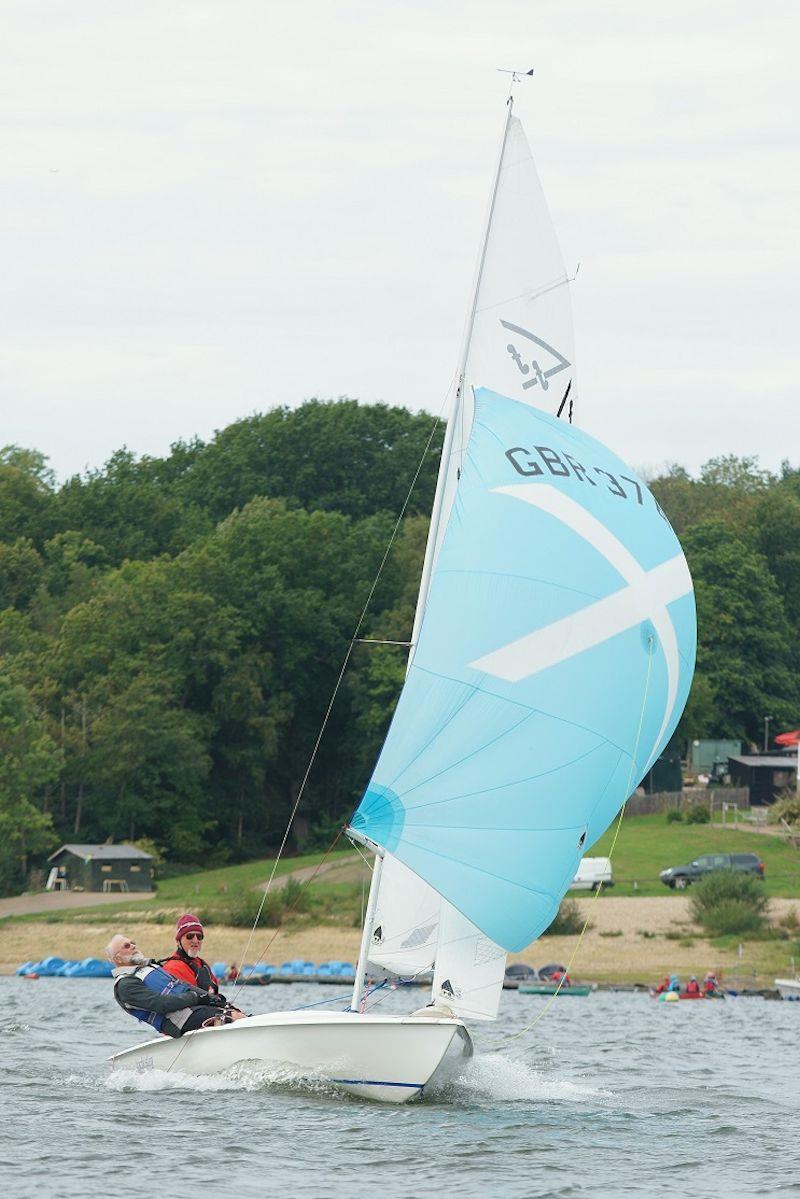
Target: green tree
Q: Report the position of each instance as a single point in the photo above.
(29, 761)
(778, 539)
(148, 766)
(354, 458)
(728, 490)
(127, 510)
(26, 496)
(701, 716)
(20, 573)
(745, 647)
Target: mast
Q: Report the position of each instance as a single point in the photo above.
(447, 447)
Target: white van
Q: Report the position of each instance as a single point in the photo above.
(592, 872)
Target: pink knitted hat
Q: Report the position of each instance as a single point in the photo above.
(187, 924)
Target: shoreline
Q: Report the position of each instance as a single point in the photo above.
(629, 940)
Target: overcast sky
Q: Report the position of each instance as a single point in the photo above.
(211, 207)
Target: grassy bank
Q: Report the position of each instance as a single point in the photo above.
(211, 892)
(647, 844)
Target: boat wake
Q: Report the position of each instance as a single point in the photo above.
(243, 1077)
(489, 1076)
(493, 1076)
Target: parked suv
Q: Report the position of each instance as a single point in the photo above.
(679, 877)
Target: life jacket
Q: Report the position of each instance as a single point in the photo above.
(692, 987)
(191, 970)
(160, 983)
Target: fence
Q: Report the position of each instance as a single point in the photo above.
(712, 797)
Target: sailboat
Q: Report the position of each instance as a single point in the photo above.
(551, 658)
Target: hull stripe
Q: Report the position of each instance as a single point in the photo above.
(375, 1082)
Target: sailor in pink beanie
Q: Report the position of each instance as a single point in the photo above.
(186, 963)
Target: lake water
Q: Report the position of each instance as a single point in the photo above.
(608, 1095)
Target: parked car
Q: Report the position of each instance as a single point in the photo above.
(680, 877)
(591, 873)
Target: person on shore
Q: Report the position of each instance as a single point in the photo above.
(148, 993)
(186, 963)
(693, 986)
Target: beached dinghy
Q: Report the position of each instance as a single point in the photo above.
(550, 660)
(788, 988)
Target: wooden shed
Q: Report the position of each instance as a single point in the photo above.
(101, 868)
(764, 774)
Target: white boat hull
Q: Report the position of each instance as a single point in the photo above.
(789, 988)
(388, 1058)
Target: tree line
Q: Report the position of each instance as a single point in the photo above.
(171, 629)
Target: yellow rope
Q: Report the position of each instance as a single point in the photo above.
(596, 895)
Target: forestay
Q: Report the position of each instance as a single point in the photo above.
(552, 665)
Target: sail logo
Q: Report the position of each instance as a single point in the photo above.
(644, 598)
(419, 936)
(449, 990)
(533, 373)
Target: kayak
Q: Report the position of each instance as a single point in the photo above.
(671, 996)
(552, 989)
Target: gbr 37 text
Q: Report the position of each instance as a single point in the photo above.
(543, 460)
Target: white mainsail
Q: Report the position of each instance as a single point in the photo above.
(518, 338)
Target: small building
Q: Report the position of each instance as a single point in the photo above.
(763, 774)
(710, 757)
(665, 774)
(101, 868)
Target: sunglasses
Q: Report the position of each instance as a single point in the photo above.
(128, 944)
(194, 936)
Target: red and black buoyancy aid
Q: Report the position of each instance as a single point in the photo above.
(195, 971)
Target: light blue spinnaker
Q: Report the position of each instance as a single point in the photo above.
(553, 663)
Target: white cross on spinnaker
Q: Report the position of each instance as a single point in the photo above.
(646, 596)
